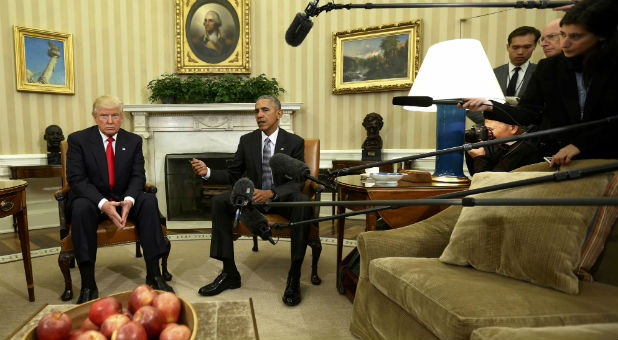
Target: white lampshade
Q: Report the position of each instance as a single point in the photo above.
(455, 69)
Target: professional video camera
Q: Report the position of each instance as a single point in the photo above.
(477, 133)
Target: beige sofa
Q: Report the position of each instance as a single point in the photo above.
(407, 291)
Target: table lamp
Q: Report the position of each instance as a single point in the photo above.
(453, 69)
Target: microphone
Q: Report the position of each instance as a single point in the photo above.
(424, 101)
(292, 169)
(257, 223)
(301, 25)
(241, 196)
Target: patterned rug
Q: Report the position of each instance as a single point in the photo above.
(172, 237)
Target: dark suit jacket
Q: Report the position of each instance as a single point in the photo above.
(551, 100)
(87, 166)
(248, 162)
(502, 74)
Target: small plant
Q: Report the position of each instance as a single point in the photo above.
(167, 89)
(227, 88)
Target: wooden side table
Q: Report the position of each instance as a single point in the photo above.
(353, 188)
(13, 202)
(36, 171)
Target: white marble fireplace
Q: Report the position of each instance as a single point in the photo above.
(193, 128)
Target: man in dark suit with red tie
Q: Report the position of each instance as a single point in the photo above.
(252, 160)
(105, 170)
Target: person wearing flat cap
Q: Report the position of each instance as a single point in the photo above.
(506, 156)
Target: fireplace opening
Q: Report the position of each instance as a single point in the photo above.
(188, 197)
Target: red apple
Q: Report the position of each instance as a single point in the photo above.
(91, 335)
(130, 331)
(142, 295)
(152, 320)
(127, 313)
(53, 326)
(169, 305)
(175, 332)
(112, 323)
(102, 308)
(87, 324)
(74, 333)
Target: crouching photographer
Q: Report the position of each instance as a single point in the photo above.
(499, 157)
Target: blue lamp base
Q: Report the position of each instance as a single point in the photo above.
(450, 127)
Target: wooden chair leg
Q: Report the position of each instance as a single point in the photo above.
(138, 249)
(255, 243)
(316, 250)
(166, 275)
(64, 260)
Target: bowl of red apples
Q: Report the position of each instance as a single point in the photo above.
(140, 314)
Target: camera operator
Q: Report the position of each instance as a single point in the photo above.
(499, 157)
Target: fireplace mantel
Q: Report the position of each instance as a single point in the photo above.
(193, 128)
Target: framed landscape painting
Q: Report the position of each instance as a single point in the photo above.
(212, 36)
(377, 58)
(43, 60)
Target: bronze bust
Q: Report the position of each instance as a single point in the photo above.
(373, 124)
(53, 136)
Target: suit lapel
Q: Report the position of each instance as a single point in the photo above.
(568, 91)
(527, 76)
(256, 140)
(281, 145)
(120, 155)
(97, 149)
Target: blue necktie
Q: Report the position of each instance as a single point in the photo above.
(267, 175)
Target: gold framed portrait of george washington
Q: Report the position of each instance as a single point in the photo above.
(212, 36)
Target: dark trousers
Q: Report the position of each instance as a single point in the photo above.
(85, 216)
(222, 243)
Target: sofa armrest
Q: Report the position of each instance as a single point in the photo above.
(426, 238)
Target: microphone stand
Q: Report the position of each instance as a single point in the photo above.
(518, 4)
(443, 198)
(470, 146)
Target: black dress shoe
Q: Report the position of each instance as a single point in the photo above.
(159, 283)
(87, 294)
(222, 282)
(291, 295)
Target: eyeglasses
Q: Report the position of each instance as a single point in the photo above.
(550, 37)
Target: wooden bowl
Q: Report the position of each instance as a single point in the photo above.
(79, 313)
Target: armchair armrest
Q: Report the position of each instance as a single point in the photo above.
(150, 188)
(426, 238)
(61, 194)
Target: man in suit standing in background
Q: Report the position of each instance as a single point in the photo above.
(514, 76)
(105, 170)
(550, 38)
(252, 160)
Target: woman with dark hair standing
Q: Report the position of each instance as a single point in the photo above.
(578, 85)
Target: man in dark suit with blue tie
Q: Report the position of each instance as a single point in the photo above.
(105, 170)
(251, 160)
(514, 76)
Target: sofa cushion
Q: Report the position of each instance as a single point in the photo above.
(452, 301)
(597, 331)
(540, 244)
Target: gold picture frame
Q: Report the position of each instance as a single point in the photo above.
(43, 60)
(376, 58)
(225, 49)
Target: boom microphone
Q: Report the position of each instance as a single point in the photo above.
(424, 101)
(292, 169)
(257, 223)
(241, 196)
(301, 25)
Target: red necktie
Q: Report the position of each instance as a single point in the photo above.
(110, 161)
